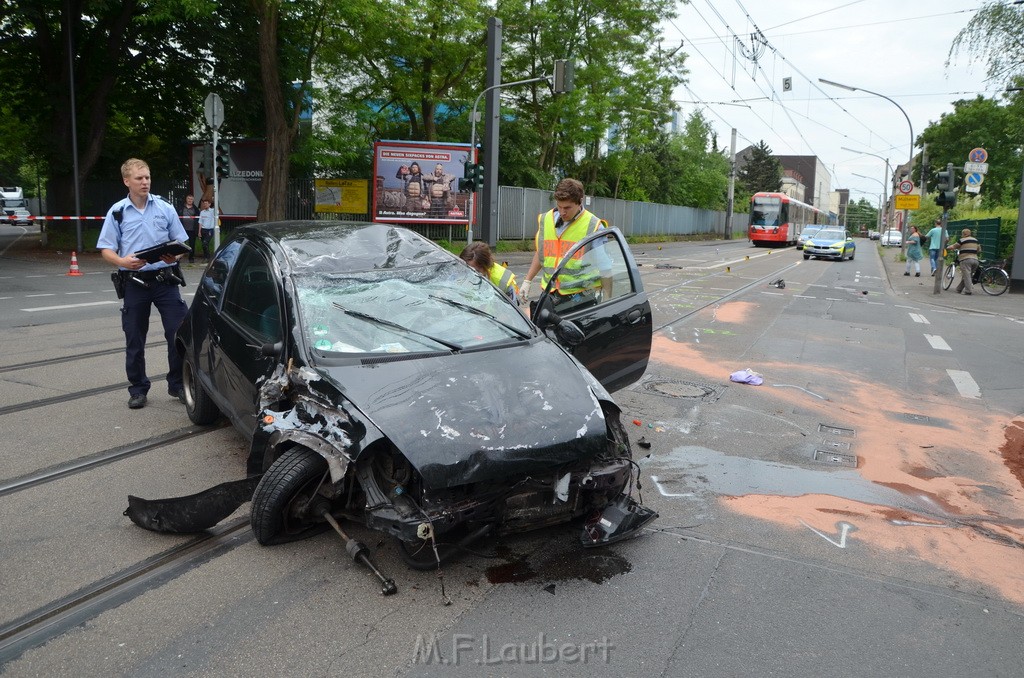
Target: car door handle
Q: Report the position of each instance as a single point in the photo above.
(634, 316)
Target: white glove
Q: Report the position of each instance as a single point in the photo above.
(524, 291)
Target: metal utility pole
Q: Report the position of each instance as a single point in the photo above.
(489, 190)
(214, 109)
(732, 186)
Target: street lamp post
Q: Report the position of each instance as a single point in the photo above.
(910, 162)
(881, 199)
(888, 169)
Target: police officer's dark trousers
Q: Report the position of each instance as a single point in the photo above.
(138, 301)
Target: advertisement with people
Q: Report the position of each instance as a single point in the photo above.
(238, 184)
(418, 182)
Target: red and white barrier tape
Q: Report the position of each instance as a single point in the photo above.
(223, 216)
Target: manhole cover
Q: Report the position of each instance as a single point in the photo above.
(685, 389)
(835, 458)
(829, 429)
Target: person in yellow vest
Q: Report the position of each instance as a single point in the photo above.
(557, 231)
(478, 255)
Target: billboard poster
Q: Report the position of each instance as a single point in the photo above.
(418, 182)
(240, 187)
(341, 196)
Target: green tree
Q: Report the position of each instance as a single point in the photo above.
(995, 35)
(980, 123)
(759, 170)
(861, 215)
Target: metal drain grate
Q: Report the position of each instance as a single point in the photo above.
(836, 444)
(835, 458)
(830, 430)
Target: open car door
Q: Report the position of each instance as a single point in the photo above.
(597, 287)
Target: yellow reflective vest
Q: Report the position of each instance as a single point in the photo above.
(504, 280)
(553, 248)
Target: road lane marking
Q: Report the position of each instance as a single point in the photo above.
(67, 306)
(918, 318)
(46, 294)
(937, 342)
(965, 383)
(669, 494)
(844, 529)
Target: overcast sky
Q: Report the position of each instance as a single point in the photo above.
(893, 48)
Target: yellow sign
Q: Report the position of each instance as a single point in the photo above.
(908, 202)
(343, 196)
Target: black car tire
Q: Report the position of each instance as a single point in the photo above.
(198, 405)
(853, 254)
(281, 501)
(807, 256)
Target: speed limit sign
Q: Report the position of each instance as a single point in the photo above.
(906, 186)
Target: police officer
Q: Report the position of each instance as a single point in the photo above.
(133, 224)
(557, 231)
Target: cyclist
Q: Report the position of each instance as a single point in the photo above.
(969, 250)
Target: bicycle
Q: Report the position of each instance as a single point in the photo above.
(993, 278)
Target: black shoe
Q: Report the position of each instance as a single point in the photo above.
(179, 394)
(918, 274)
(907, 273)
(137, 402)
(968, 293)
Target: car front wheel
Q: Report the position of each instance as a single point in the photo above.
(198, 405)
(285, 501)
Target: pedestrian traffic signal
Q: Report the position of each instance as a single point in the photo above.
(478, 175)
(946, 189)
(223, 159)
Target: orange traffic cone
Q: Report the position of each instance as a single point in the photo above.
(74, 265)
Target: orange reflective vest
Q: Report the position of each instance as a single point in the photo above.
(553, 248)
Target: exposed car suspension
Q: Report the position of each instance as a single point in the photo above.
(360, 553)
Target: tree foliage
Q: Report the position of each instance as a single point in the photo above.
(981, 123)
(759, 169)
(995, 35)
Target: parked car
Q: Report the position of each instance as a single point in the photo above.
(830, 243)
(805, 234)
(377, 377)
(874, 235)
(20, 217)
(892, 239)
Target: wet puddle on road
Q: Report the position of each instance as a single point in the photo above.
(593, 566)
(699, 469)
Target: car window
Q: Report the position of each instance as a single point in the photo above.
(406, 309)
(830, 235)
(596, 274)
(216, 274)
(250, 298)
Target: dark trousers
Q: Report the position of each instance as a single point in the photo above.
(193, 233)
(135, 322)
(207, 237)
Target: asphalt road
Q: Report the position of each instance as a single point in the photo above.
(859, 513)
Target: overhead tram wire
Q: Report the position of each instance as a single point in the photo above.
(721, 75)
(808, 79)
(874, 23)
(811, 16)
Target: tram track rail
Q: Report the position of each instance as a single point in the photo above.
(103, 458)
(64, 614)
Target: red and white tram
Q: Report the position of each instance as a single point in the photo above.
(777, 219)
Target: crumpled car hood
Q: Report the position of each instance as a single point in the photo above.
(481, 416)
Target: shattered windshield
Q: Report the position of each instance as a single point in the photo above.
(434, 307)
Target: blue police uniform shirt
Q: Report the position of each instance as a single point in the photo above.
(141, 229)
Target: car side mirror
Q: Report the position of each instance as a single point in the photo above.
(271, 350)
(567, 331)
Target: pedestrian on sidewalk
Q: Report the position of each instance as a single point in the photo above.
(138, 222)
(207, 219)
(969, 249)
(914, 253)
(190, 220)
(935, 243)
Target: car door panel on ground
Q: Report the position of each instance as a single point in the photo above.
(614, 313)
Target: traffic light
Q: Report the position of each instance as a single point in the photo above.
(478, 175)
(223, 159)
(946, 196)
(469, 182)
(564, 80)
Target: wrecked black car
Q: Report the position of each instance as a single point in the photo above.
(381, 379)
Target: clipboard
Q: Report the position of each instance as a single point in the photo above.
(172, 247)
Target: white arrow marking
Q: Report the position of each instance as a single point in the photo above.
(844, 529)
